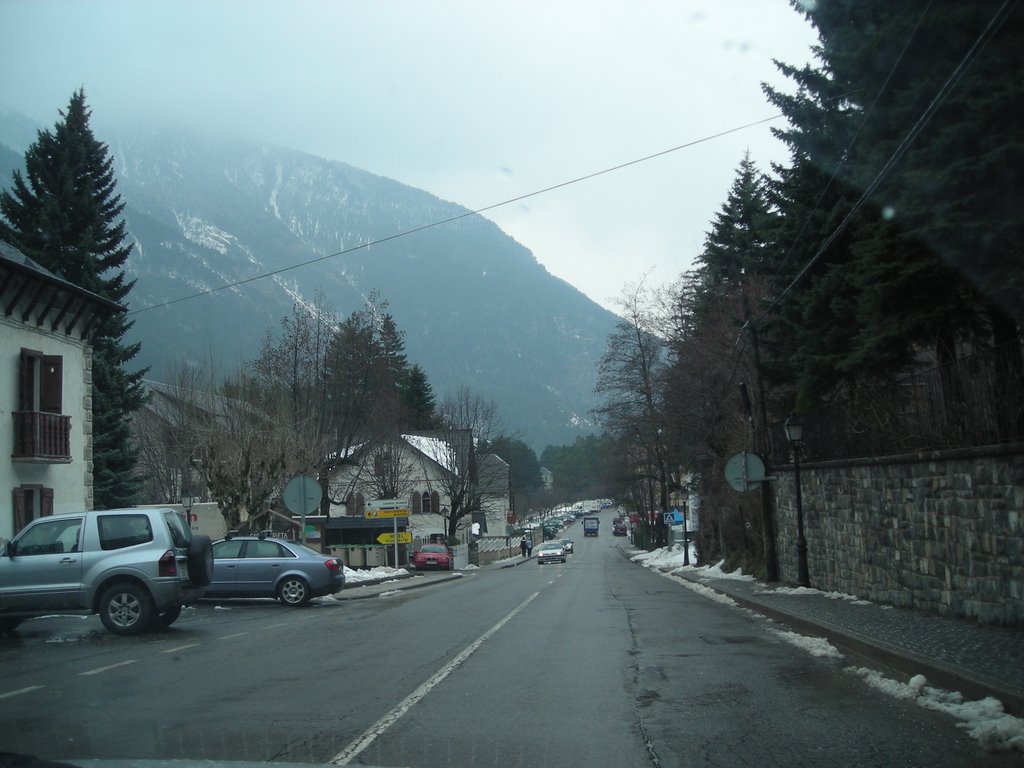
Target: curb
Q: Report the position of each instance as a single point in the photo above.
(398, 585)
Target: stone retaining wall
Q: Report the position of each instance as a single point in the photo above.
(942, 532)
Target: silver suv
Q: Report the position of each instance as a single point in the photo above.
(136, 568)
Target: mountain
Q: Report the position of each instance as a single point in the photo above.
(475, 306)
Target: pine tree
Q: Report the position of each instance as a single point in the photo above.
(65, 214)
(911, 109)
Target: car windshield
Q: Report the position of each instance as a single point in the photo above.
(740, 283)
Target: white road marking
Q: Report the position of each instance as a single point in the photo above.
(232, 637)
(181, 648)
(352, 750)
(107, 668)
(20, 691)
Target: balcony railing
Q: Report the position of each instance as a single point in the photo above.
(44, 436)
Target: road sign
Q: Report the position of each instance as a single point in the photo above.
(302, 495)
(744, 471)
(404, 537)
(374, 514)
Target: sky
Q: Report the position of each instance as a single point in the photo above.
(476, 102)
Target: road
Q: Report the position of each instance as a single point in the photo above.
(597, 662)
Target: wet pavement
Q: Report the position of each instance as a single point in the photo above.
(955, 654)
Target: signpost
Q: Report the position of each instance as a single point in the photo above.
(372, 514)
(393, 508)
(404, 537)
(302, 496)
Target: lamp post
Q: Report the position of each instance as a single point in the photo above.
(686, 535)
(795, 436)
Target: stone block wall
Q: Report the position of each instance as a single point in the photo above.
(940, 532)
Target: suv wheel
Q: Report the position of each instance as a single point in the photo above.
(125, 609)
(293, 591)
(168, 617)
(200, 561)
(9, 625)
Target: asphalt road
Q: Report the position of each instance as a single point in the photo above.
(597, 662)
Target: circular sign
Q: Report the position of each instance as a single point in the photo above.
(302, 495)
(744, 471)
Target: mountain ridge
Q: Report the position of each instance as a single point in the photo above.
(475, 306)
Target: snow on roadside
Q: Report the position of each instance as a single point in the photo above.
(380, 573)
(984, 720)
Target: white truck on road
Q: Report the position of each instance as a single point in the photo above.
(591, 526)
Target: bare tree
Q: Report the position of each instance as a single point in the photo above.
(243, 460)
(467, 419)
(631, 379)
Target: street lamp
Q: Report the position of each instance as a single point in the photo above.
(686, 535)
(795, 436)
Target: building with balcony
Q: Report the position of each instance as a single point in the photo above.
(45, 391)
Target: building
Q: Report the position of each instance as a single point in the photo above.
(425, 469)
(45, 391)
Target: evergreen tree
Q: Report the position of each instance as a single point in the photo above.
(65, 214)
(898, 240)
(418, 399)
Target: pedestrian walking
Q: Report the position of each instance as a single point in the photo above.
(522, 545)
(529, 547)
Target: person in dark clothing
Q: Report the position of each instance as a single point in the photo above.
(522, 545)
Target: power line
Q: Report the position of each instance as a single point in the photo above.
(467, 214)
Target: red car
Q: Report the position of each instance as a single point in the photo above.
(433, 556)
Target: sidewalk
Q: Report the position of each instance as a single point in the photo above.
(954, 654)
(400, 579)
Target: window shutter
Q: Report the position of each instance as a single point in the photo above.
(46, 502)
(51, 384)
(19, 509)
(27, 380)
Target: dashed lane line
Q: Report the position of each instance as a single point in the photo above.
(107, 668)
(182, 648)
(20, 691)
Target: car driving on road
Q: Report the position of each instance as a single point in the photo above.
(550, 552)
(258, 566)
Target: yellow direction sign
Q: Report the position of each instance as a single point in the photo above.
(404, 537)
(372, 514)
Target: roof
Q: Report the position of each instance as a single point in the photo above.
(42, 298)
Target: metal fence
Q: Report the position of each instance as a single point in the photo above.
(979, 400)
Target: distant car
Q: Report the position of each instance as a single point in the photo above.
(567, 546)
(256, 566)
(549, 552)
(619, 529)
(433, 556)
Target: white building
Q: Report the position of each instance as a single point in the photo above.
(45, 391)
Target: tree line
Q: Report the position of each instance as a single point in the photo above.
(888, 243)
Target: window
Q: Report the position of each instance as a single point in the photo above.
(41, 382)
(40, 431)
(230, 549)
(120, 531)
(51, 538)
(31, 502)
(265, 548)
(427, 508)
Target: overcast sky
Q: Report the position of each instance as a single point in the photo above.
(477, 102)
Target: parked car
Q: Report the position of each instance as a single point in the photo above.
(433, 556)
(549, 552)
(619, 529)
(567, 546)
(136, 568)
(263, 566)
